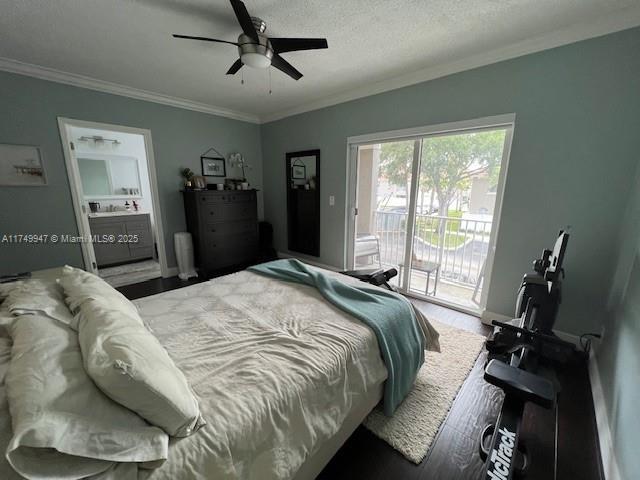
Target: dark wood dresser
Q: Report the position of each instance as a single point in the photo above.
(224, 227)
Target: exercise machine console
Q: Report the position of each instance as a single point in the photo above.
(377, 277)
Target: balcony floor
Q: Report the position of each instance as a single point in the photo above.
(447, 290)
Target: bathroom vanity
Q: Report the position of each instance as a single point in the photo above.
(124, 227)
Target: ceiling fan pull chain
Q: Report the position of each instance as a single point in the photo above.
(269, 80)
(241, 77)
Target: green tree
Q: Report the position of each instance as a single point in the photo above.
(450, 162)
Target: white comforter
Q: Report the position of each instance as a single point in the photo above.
(276, 370)
(275, 367)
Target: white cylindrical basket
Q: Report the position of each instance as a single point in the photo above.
(184, 254)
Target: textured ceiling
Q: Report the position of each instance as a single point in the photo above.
(129, 42)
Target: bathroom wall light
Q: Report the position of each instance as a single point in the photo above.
(98, 140)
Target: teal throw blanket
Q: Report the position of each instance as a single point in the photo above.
(388, 314)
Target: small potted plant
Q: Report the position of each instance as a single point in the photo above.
(188, 175)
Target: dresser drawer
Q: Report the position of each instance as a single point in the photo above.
(222, 212)
(227, 196)
(215, 230)
(226, 250)
(216, 242)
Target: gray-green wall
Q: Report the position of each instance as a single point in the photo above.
(28, 115)
(575, 142)
(618, 356)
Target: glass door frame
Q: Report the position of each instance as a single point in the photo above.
(417, 134)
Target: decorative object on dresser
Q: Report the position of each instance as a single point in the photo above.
(187, 174)
(198, 182)
(213, 165)
(133, 240)
(224, 227)
(237, 161)
(303, 201)
(21, 166)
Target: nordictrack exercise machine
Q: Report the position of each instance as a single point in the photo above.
(519, 351)
(377, 277)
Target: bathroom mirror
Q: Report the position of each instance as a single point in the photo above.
(303, 201)
(105, 176)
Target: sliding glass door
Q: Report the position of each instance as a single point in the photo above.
(427, 206)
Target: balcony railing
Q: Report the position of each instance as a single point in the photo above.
(459, 246)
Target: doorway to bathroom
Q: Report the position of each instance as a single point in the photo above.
(114, 191)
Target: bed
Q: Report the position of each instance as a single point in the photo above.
(282, 377)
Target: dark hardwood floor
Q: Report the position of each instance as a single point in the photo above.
(454, 452)
(156, 285)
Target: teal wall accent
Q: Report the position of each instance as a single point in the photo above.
(618, 356)
(28, 115)
(575, 142)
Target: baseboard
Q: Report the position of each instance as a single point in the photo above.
(309, 260)
(172, 272)
(568, 337)
(607, 452)
(487, 317)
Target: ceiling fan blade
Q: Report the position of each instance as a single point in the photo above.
(284, 66)
(244, 19)
(281, 45)
(189, 37)
(237, 65)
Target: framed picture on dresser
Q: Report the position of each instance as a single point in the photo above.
(213, 167)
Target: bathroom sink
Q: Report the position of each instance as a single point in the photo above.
(114, 214)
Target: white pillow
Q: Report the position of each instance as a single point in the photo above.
(80, 286)
(39, 296)
(62, 425)
(125, 360)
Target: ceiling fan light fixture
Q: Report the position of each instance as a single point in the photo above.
(258, 50)
(255, 60)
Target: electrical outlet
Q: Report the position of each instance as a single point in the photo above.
(332, 200)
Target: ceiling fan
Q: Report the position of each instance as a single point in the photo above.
(259, 51)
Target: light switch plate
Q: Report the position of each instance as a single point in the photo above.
(332, 200)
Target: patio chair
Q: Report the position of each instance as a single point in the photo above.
(367, 247)
(425, 266)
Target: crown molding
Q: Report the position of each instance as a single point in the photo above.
(58, 76)
(620, 20)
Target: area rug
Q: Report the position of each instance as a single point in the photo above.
(417, 420)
